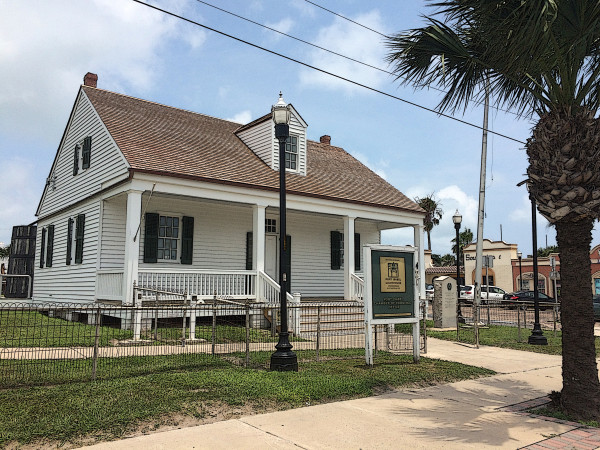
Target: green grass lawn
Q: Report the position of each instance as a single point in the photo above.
(34, 329)
(506, 337)
(107, 409)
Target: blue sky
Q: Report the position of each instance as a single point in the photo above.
(46, 47)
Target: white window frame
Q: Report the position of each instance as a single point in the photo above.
(179, 218)
(297, 168)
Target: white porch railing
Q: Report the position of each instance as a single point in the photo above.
(357, 287)
(109, 284)
(202, 283)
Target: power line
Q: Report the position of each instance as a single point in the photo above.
(323, 71)
(477, 102)
(298, 39)
(346, 18)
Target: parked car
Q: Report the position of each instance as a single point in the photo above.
(429, 291)
(466, 292)
(495, 293)
(596, 300)
(524, 298)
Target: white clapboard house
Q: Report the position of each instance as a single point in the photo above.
(183, 202)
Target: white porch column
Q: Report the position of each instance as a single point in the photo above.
(258, 237)
(132, 247)
(419, 239)
(348, 254)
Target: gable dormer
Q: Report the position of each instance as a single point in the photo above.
(259, 136)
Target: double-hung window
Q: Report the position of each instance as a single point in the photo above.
(168, 238)
(291, 153)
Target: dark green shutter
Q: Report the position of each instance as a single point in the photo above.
(79, 232)
(187, 240)
(42, 248)
(356, 252)
(50, 247)
(69, 241)
(86, 154)
(336, 262)
(151, 238)
(287, 267)
(249, 250)
(76, 160)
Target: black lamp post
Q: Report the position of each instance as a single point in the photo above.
(284, 359)
(520, 256)
(457, 219)
(537, 336)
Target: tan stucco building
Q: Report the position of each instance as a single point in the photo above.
(500, 274)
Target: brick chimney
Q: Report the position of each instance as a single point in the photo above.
(90, 79)
(326, 139)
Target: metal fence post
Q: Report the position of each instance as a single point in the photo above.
(519, 322)
(96, 344)
(184, 324)
(193, 303)
(555, 314)
(247, 334)
(156, 317)
(318, 331)
(425, 308)
(214, 323)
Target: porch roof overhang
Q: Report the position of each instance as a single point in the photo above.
(387, 218)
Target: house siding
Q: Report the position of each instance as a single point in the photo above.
(311, 272)
(112, 237)
(259, 139)
(107, 161)
(297, 129)
(220, 242)
(219, 233)
(62, 282)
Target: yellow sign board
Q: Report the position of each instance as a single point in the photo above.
(393, 274)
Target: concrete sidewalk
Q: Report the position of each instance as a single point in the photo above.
(465, 414)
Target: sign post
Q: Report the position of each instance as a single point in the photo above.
(391, 292)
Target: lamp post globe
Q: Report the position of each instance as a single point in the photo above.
(457, 219)
(283, 359)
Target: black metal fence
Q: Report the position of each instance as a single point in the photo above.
(58, 343)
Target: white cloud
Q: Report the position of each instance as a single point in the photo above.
(304, 8)
(347, 39)
(377, 167)
(284, 26)
(242, 117)
(47, 47)
(17, 176)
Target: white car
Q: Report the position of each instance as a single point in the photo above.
(495, 293)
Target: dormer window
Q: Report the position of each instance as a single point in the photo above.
(291, 153)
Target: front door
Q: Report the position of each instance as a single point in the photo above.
(271, 266)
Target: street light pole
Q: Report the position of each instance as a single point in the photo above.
(537, 335)
(457, 219)
(283, 359)
(520, 256)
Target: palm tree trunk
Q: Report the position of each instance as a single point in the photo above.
(580, 396)
(428, 240)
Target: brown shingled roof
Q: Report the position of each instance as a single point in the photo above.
(159, 139)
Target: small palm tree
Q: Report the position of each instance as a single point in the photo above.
(434, 214)
(465, 238)
(540, 58)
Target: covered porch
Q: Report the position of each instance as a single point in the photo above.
(233, 246)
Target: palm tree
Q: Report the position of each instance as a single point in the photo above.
(541, 59)
(434, 214)
(448, 260)
(464, 238)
